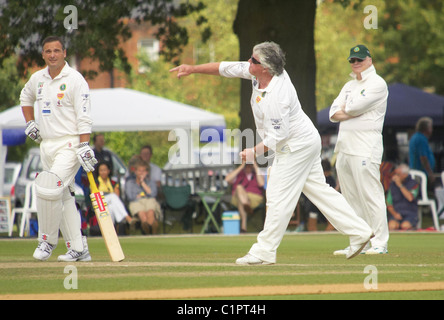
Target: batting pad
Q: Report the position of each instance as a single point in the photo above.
(49, 191)
(71, 223)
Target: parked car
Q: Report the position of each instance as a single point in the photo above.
(32, 165)
(12, 170)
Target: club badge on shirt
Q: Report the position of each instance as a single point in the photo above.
(60, 96)
(259, 98)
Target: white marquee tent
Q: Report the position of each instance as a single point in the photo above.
(121, 109)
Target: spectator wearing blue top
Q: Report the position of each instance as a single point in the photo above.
(420, 154)
(402, 203)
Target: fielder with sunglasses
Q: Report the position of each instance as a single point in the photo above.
(360, 108)
(289, 132)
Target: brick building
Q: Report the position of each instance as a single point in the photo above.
(142, 41)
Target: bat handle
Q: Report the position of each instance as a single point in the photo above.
(92, 183)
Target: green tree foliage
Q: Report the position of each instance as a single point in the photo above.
(214, 94)
(101, 27)
(413, 39)
(407, 46)
(11, 83)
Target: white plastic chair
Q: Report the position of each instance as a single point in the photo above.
(29, 207)
(424, 199)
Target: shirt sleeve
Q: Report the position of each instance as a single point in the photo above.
(363, 101)
(28, 94)
(82, 107)
(235, 70)
(131, 190)
(152, 184)
(338, 104)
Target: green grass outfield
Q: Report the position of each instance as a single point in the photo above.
(202, 267)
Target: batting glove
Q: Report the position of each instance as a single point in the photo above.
(85, 155)
(32, 131)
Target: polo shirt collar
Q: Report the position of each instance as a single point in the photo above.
(62, 73)
(271, 85)
(365, 74)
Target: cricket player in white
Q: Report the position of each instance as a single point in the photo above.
(360, 108)
(285, 129)
(62, 126)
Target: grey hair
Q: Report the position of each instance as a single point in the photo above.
(404, 168)
(423, 124)
(271, 57)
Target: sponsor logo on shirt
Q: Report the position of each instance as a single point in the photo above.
(276, 123)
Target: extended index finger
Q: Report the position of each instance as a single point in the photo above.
(175, 69)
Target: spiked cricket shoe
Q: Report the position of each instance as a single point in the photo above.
(377, 250)
(72, 256)
(43, 251)
(250, 260)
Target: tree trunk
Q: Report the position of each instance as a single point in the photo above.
(290, 23)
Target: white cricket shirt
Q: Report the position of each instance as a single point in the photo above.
(366, 100)
(64, 105)
(278, 114)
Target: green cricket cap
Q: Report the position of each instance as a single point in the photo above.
(360, 52)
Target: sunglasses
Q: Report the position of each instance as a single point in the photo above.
(254, 60)
(353, 60)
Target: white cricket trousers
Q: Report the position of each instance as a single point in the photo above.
(291, 174)
(360, 181)
(59, 157)
(116, 207)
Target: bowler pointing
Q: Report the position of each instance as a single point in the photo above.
(287, 130)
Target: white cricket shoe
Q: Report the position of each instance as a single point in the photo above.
(343, 252)
(377, 250)
(357, 249)
(43, 251)
(250, 260)
(73, 256)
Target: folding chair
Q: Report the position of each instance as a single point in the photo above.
(424, 199)
(29, 207)
(177, 199)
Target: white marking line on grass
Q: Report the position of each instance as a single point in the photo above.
(230, 292)
(55, 264)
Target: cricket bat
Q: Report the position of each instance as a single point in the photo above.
(105, 221)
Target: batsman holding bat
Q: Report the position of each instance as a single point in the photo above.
(63, 128)
(287, 130)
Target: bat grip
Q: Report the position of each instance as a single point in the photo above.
(92, 183)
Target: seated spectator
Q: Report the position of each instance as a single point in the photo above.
(247, 190)
(141, 193)
(402, 200)
(111, 193)
(145, 154)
